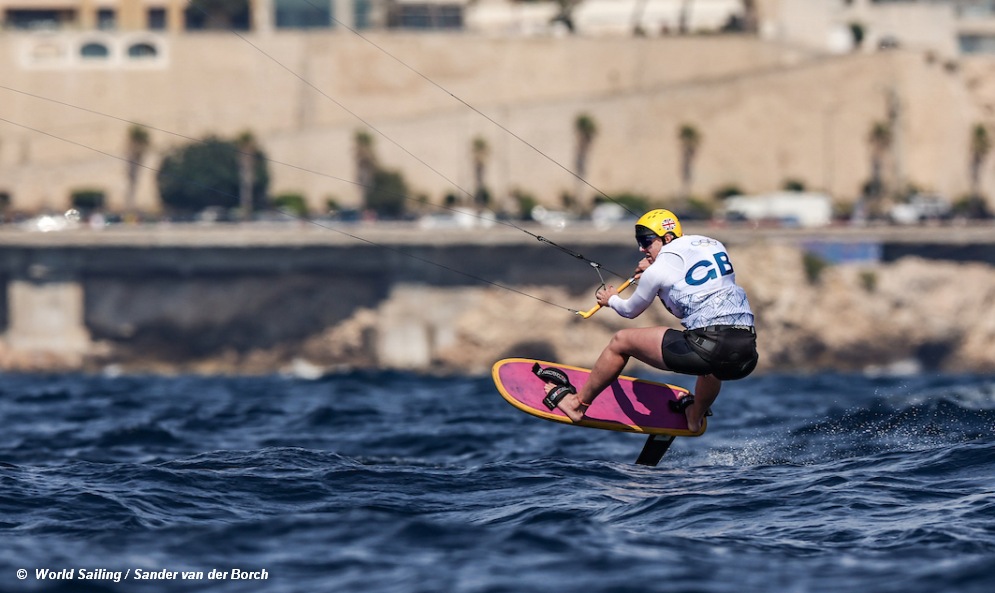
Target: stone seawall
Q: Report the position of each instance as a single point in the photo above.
(307, 301)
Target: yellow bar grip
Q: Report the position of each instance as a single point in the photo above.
(587, 314)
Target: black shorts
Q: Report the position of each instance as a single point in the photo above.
(726, 351)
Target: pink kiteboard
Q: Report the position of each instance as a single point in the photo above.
(628, 404)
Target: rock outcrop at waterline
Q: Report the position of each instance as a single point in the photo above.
(910, 314)
(936, 315)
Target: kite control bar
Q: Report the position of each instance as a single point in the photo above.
(587, 314)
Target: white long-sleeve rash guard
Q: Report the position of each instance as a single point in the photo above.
(695, 280)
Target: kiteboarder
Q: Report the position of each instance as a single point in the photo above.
(694, 278)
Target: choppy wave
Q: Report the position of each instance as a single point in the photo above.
(394, 482)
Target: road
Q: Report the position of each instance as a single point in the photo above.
(315, 233)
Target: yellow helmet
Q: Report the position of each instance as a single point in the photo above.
(659, 222)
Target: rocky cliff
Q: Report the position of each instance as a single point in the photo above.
(912, 314)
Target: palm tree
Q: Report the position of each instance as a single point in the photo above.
(879, 138)
(137, 146)
(750, 17)
(981, 145)
(638, 9)
(684, 19)
(690, 140)
(366, 160)
(246, 144)
(481, 151)
(585, 129)
(565, 13)
(857, 32)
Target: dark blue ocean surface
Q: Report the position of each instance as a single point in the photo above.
(401, 483)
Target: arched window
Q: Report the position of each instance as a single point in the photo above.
(142, 50)
(94, 50)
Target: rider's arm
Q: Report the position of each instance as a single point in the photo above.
(661, 274)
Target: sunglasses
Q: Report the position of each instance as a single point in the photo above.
(645, 241)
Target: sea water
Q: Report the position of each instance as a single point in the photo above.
(386, 482)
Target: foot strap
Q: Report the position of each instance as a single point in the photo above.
(682, 404)
(556, 395)
(551, 375)
(557, 378)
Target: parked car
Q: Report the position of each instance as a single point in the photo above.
(920, 208)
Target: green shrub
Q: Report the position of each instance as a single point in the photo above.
(451, 200)
(526, 202)
(87, 199)
(482, 197)
(814, 266)
(291, 203)
(971, 206)
(206, 174)
(387, 194)
(727, 191)
(869, 280)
